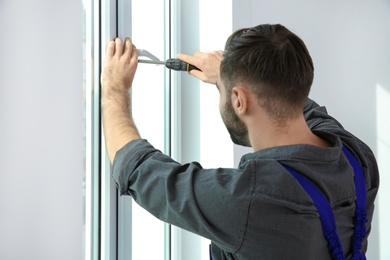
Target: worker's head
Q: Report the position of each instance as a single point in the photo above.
(274, 64)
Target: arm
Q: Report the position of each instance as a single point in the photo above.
(118, 73)
(317, 116)
(186, 195)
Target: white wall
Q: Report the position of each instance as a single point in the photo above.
(349, 43)
(41, 132)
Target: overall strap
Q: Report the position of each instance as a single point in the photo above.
(360, 217)
(327, 216)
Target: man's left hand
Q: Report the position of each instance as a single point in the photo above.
(120, 65)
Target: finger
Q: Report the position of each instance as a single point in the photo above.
(197, 74)
(189, 59)
(110, 49)
(128, 47)
(134, 54)
(118, 47)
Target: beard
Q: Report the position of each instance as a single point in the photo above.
(236, 128)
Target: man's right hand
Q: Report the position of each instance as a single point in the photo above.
(209, 64)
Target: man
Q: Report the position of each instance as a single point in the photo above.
(263, 209)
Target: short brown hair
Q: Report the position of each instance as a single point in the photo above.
(274, 63)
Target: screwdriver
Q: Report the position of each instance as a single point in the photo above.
(173, 64)
(179, 65)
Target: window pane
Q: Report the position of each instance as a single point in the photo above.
(148, 111)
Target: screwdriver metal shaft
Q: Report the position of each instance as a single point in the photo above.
(152, 62)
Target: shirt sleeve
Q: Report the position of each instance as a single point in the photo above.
(317, 116)
(186, 195)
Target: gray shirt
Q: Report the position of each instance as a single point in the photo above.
(257, 211)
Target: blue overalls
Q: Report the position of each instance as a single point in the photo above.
(327, 216)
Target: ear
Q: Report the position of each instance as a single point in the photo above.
(240, 100)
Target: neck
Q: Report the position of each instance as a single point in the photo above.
(265, 134)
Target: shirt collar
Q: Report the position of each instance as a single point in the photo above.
(300, 151)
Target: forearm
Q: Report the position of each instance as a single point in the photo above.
(118, 72)
(118, 124)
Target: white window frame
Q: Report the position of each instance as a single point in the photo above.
(109, 216)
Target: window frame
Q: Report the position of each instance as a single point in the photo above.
(108, 215)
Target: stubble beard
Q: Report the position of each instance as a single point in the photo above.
(236, 128)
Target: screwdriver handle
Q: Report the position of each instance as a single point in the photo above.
(179, 65)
